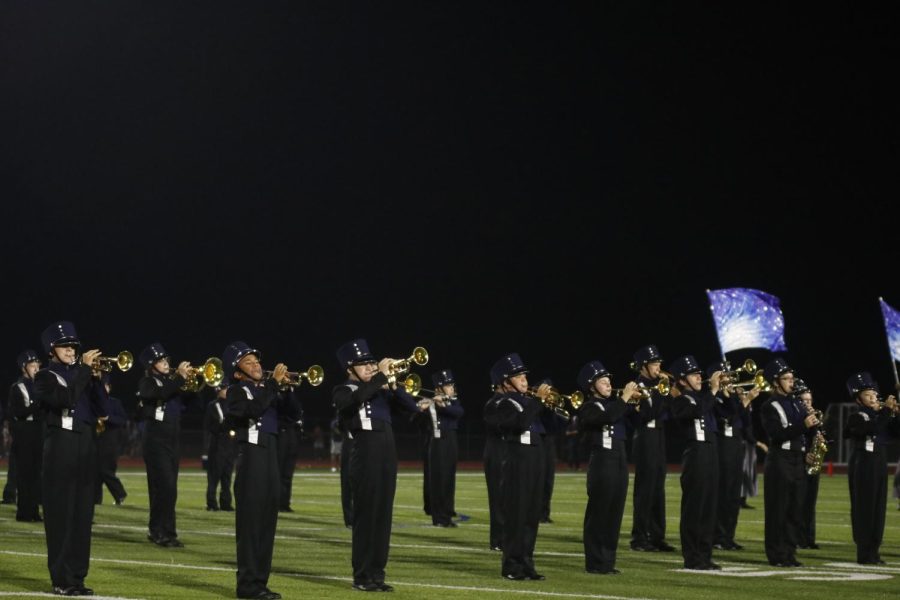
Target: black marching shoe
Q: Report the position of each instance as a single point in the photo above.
(173, 543)
(612, 571)
(514, 576)
(384, 587)
(547, 520)
(711, 566)
(212, 508)
(227, 509)
(665, 547)
(59, 590)
(366, 587)
(273, 595)
(496, 547)
(535, 576)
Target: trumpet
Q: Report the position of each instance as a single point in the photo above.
(124, 361)
(419, 356)
(749, 367)
(210, 373)
(557, 401)
(315, 375)
(662, 387)
(758, 381)
(883, 406)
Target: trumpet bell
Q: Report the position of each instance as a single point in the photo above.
(412, 384)
(420, 356)
(212, 372)
(576, 400)
(315, 374)
(123, 361)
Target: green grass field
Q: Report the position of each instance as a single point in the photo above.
(312, 550)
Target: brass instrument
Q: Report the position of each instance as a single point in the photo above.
(662, 387)
(749, 367)
(412, 384)
(758, 381)
(210, 373)
(895, 410)
(557, 401)
(315, 375)
(419, 357)
(815, 457)
(124, 361)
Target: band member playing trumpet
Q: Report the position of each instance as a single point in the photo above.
(160, 406)
(516, 416)
(731, 410)
(26, 423)
(364, 404)
(252, 401)
(603, 419)
(69, 391)
(648, 530)
(694, 409)
(869, 431)
(786, 421)
(444, 413)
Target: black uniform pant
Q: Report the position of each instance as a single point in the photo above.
(520, 491)
(109, 443)
(256, 490)
(70, 466)
(607, 489)
(808, 522)
(549, 447)
(785, 480)
(699, 488)
(9, 490)
(219, 469)
(426, 475)
(373, 481)
(346, 489)
(288, 450)
(494, 450)
(161, 460)
(649, 454)
(442, 456)
(731, 476)
(28, 448)
(867, 476)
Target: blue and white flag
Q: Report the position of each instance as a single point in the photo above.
(891, 328)
(747, 318)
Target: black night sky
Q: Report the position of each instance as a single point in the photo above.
(560, 179)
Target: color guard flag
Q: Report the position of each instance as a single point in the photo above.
(747, 318)
(891, 328)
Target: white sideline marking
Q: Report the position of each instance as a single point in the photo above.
(328, 578)
(888, 568)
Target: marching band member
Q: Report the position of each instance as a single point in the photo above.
(807, 535)
(252, 400)
(493, 463)
(160, 406)
(364, 402)
(869, 431)
(731, 411)
(603, 418)
(786, 421)
(69, 392)
(110, 441)
(554, 424)
(221, 451)
(516, 416)
(694, 410)
(444, 413)
(26, 420)
(648, 530)
(290, 423)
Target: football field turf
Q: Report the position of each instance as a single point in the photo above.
(312, 550)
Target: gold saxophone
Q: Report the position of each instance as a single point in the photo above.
(816, 455)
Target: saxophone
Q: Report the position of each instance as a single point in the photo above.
(816, 455)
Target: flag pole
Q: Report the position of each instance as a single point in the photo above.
(708, 292)
(888, 338)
